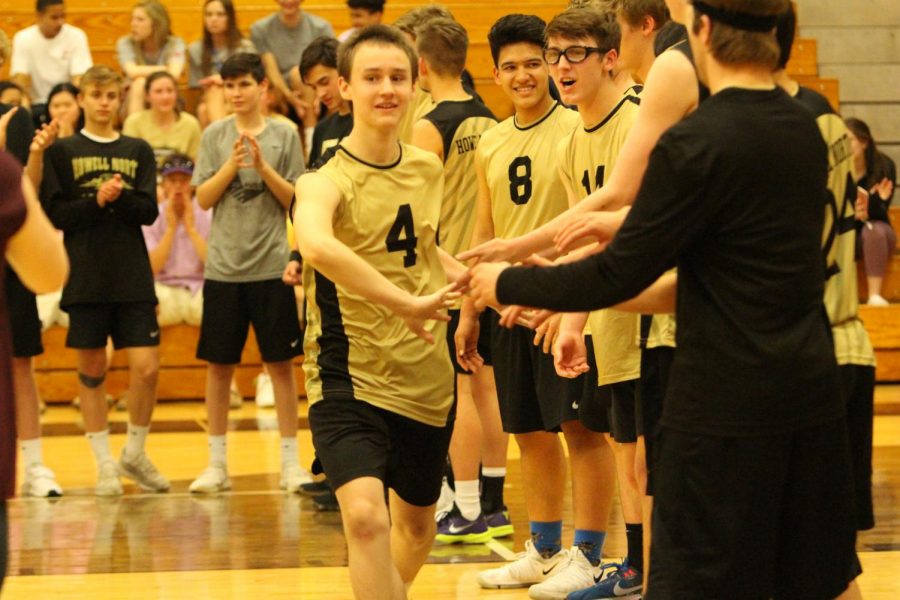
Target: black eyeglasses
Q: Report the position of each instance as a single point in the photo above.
(573, 54)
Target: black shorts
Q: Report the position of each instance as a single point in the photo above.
(24, 323)
(621, 399)
(655, 364)
(129, 324)
(858, 388)
(593, 404)
(532, 396)
(230, 308)
(486, 323)
(355, 439)
(754, 518)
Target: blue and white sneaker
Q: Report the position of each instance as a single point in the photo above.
(625, 583)
(456, 529)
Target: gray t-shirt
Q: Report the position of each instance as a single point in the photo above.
(195, 58)
(127, 50)
(287, 44)
(248, 238)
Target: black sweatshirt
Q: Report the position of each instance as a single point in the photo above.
(108, 256)
(733, 195)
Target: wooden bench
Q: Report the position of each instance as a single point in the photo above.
(181, 375)
(883, 325)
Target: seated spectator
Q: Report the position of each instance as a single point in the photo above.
(47, 53)
(62, 106)
(318, 69)
(221, 39)
(163, 125)
(362, 13)
(876, 173)
(11, 93)
(281, 39)
(150, 48)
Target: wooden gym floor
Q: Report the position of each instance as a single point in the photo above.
(259, 541)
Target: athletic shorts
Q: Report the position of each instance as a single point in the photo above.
(230, 308)
(24, 323)
(594, 403)
(355, 439)
(532, 396)
(484, 339)
(129, 324)
(655, 364)
(755, 517)
(621, 405)
(858, 388)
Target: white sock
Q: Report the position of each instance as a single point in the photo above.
(493, 471)
(218, 451)
(137, 438)
(100, 445)
(289, 451)
(468, 499)
(31, 451)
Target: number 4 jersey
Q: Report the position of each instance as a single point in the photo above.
(520, 164)
(358, 350)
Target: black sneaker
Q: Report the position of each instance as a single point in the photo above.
(315, 488)
(326, 502)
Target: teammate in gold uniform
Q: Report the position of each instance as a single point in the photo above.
(452, 131)
(378, 377)
(852, 346)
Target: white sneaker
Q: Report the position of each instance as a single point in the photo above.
(445, 501)
(143, 472)
(293, 476)
(576, 574)
(40, 482)
(265, 395)
(877, 300)
(528, 569)
(211, 481)
(108, 483)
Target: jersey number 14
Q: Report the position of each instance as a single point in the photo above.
(403, 226)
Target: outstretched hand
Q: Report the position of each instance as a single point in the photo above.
(421, 309)
(596, 226)
(483, 285)
(570, 354)
(495, 250)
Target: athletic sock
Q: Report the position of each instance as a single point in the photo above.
(493, 479)
(137, 438)
(218, 451)
(590, 543)
(546, 537)
(289, 451)
(634, 533)
(31, 452)
(99, 441)
(468, 500)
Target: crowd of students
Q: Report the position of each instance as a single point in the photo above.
(635, 147)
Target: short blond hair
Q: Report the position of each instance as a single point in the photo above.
(100, 75)
(411, 20)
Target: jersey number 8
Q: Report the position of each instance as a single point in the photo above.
(403, 225)
(520, 187)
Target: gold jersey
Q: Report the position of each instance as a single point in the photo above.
(586, 158)
(359, 350)
(851, 342)
(420, 105)
(520, 165)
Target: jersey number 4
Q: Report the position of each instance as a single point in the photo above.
(520, 187)
(403, 226)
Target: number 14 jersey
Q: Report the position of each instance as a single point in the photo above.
(358, 350)
(520, 165)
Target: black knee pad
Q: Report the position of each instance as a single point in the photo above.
(90, 381)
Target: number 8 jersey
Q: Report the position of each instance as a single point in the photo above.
(520, 165)
(358, 350)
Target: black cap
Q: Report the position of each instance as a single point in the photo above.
(177, 163)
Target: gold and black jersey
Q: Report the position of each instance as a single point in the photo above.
(359, 350)
(520, 165)
(461, 124)
(586, 158)
(420, 105)
(851, 342)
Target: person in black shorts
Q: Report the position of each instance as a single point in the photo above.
(754, 461)
(99, 187)
(245, 172)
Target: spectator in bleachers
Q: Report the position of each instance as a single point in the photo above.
(12, 93)
(363, 13)
(149, 48)
(47, 53)
(876, 173)
(62, 106)
(164, 126)
(281, 39)
(318, 69)
(221, 39)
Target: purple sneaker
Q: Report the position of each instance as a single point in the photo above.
(456, 529)
(499, 524)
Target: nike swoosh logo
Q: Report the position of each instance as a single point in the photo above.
(550, 569)
(454, 529)
(153, 334)
(575, 405)
(294, 343)
(618, 590)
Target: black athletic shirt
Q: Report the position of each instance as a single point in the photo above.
(107, 253)
(327, 134)
(685, 48)
(734, 197)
